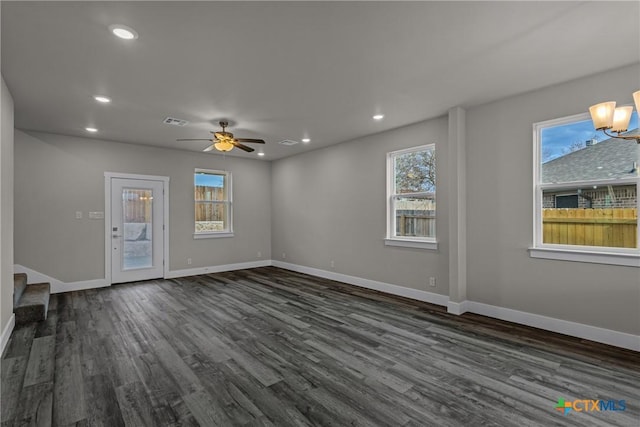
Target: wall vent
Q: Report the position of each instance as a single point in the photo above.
(288, 142)
(175, 122)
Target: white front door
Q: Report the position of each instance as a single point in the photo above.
(137, 236)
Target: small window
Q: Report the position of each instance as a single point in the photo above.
(212, 193)
(411, 196)
(586, 192)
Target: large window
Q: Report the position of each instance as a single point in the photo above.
(212, 193)
(411, 197)
(586, 193)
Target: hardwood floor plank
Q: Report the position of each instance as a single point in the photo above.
(68, 387)
(12, 370)
(205, 410)
(209, 344)
(36, 405)
(168, 358)
(41, 361)
(168, 407)
(48, 327)
(135, 407)
(224, 392)
(255, 367)
(68, 397)
(280, 412)
(104, 409)
(20, 342)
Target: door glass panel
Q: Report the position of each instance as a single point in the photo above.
(137, 235)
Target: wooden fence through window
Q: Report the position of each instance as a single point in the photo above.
(415, 225)
(611, 227)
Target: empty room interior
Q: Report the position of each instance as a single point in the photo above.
(320, 213)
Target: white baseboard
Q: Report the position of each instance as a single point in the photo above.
(389, 288)
(6, 333)
(578, 330)
(58, 286)
(457, 308)
(172, 274)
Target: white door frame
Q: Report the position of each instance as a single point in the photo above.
(107, 217)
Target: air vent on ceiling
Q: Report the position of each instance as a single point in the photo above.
(288, 142)
(175, 122)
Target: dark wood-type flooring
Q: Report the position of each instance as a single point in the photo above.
(272, 347)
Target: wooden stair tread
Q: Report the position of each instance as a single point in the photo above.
(30, 301)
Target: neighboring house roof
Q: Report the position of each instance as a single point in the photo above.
(609, 159)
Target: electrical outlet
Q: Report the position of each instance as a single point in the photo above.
(189, 261)
(333, 264)
(78, 214)
(432, 281)
(284, 255)
(259, 254)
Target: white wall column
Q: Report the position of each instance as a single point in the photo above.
(457, 212)
(6, 214)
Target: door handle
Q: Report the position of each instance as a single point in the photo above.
(115, 236)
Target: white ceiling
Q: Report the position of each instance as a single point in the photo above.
(288, 70)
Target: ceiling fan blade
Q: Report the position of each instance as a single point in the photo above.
(209, 148)
(252, 140)
(200, 139)
(242, 147)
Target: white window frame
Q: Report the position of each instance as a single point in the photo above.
(590, 254)
(391, 239)
(227, 232)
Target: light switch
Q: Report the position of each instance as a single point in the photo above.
(96, 215)
(78, 214)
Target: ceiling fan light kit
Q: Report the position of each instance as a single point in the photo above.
(224, 141)
(223, 146)
(606, 117)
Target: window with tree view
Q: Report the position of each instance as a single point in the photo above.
(411, 194)
(586, 187)
(212, 190)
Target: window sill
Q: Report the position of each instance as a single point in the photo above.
(416, 244)
(216, 235)
(590, 256)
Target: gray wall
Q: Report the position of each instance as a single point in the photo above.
(500, 213)
(59, 175)
(6, 211)
(330, 204)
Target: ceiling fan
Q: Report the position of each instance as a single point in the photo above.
(224, 141)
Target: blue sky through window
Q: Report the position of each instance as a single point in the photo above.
(209, 180)
(556, 141)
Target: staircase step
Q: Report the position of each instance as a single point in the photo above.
(34, 304)
(19, 285)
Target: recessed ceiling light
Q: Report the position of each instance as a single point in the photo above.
(378, 117)
(599, 167)
(305, 140)
(260, 154)
(91, 129)
(102, 99)
(123, 32)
